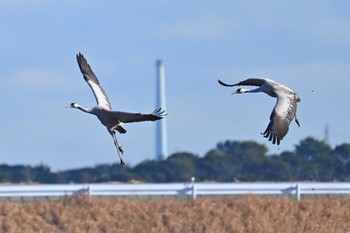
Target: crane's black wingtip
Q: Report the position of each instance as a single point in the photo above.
(80, 56)
(81, 62)
(159, 112)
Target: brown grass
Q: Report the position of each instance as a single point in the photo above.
(240, 214)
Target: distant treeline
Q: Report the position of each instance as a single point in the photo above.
(311, 160)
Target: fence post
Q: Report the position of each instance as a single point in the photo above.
(297, 191)
(194, 193)
(88, 191)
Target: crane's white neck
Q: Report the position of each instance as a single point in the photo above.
(243, 90)
(77, 106)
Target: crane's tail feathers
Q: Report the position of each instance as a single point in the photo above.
(159, 112)
(225, 84)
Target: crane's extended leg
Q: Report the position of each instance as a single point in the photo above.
(119, 149)
(296, 120)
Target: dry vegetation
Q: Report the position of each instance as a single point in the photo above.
(241, 214)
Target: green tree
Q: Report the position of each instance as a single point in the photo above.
(297, 166)
(273, 168)
(245, 158)
(215, 166)
(182, 167)
(320, 164)
(342, 154)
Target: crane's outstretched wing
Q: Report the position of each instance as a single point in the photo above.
(126, 117)
(247, 82)
(281, 117)
(91, 79)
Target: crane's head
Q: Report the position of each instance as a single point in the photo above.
(73, 105)
(240, 91)
(77, 106)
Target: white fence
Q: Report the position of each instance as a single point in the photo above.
(191, 190)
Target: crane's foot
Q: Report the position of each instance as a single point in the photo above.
(120, 150)
(122, 164)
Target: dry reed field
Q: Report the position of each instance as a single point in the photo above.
(236, 214)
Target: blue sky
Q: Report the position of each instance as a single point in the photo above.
(302, 44)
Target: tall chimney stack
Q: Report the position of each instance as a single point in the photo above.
(161, 129)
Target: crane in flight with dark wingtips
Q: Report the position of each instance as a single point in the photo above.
(283, 112)
(113, 120)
